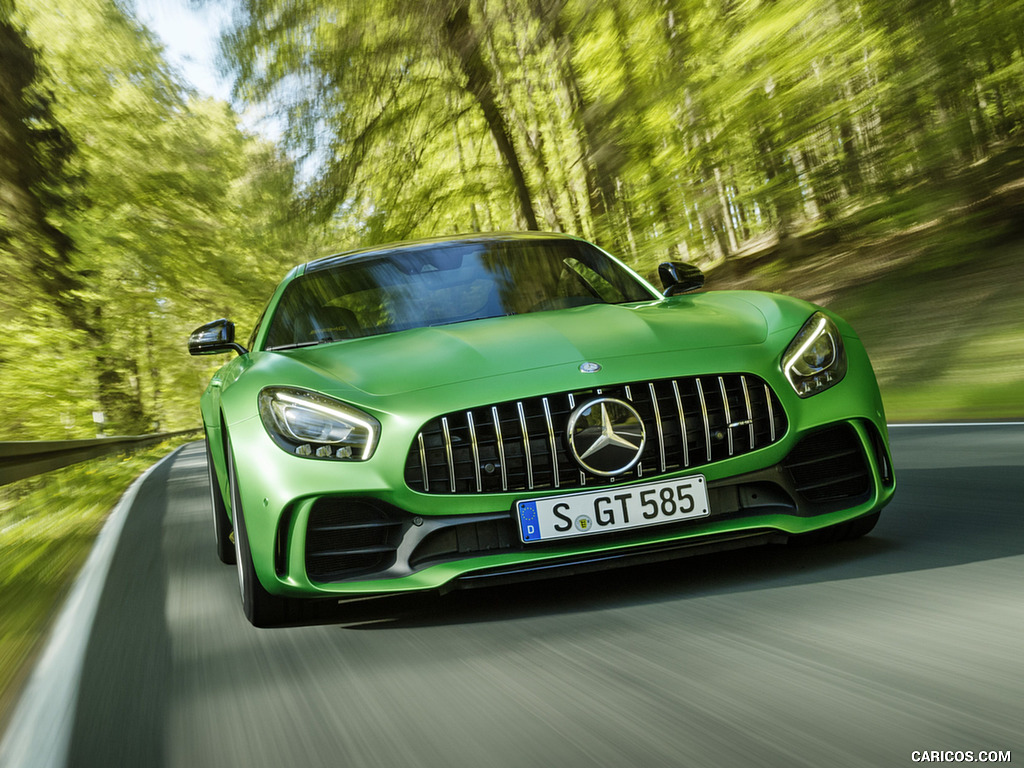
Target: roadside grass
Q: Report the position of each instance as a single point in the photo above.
(48, 525)
(946, 343)
(945, 336)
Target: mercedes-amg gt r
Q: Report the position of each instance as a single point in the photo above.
(455, 412)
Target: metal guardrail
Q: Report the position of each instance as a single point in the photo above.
(19, 460)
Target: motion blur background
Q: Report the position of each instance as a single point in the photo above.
(867, 155)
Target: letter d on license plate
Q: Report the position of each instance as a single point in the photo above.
(613, 509)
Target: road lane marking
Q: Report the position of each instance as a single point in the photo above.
(958, 424)
(39, 732)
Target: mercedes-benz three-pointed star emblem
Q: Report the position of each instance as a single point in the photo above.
(606, 436)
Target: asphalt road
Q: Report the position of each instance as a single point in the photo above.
(861, 653)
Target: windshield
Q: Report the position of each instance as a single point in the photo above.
(442, 284)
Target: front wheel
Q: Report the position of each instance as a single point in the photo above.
(261, 608)
(862, 526)
(851, 529)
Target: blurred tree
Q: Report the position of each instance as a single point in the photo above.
(35, 180)
(369, 93)
(131, 211)
(463, 42)
(38, 188)
(141, 212)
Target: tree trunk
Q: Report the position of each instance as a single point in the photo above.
(723, 203)
(529, 127)
(644, 150)
(473, 217)
(601, 154)
(464, 43)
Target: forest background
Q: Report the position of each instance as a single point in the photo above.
(865, 154)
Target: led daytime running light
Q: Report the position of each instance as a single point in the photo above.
(815, 378)
(330, 413)
(811, 340)
(312, 425)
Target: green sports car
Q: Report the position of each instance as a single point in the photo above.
(456, 412)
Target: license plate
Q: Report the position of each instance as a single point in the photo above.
(613, 509)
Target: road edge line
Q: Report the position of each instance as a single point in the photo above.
(898, 424)
(39, 731)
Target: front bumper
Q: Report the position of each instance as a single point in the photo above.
(341, 544)
(409, 540)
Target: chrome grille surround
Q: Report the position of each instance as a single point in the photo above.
(521, 445)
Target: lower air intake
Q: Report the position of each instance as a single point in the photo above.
(829, 465)
(346, 538)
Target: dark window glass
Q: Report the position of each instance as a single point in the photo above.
(256, 330)
(437, 285)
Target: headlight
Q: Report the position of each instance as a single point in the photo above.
(308, 424)
(815, 360)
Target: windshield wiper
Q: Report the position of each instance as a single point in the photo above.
(465, 320)
(300, 344)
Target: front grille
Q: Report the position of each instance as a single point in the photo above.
(521, 445)
(829, 465)
(349, 537)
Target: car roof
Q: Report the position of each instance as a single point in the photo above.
(334, 260)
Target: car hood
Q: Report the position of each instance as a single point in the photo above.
(422, 358)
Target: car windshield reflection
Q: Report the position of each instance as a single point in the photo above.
(396, 290)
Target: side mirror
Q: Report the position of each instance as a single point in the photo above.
(214, 338)
(679, 277)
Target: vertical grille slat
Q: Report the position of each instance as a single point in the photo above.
(572, 406)
(448, 452)
(658, 427)
(750, 413)
(704, 414)
(629, 397)
(501, 448)
(551, 441)
(521, 445)
(771, 415)
(728, 413)
(423, 462)
(476, 450)
(682, 424)
(527, 458)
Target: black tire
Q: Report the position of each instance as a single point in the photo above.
(261, 608)
(862, 526)
(851, 529)
(817, 538)
(221, 521)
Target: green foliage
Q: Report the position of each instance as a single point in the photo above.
(132, 210)
(658, 127)
(156, 213)
(45, 544)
